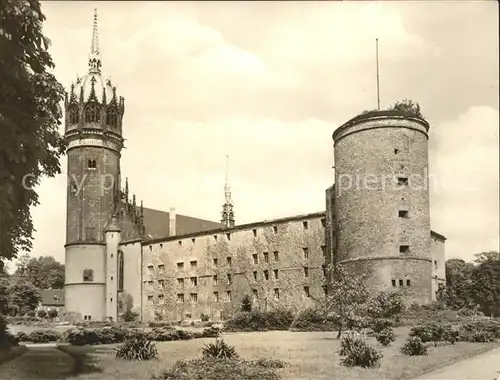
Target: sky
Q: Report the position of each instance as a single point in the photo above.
(267, 83)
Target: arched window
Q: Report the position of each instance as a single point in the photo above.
(92, 113)
(73, 114)
(92, 164)
(120, 271)
(88, 275)
(112, 116)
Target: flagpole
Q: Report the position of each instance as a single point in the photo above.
(378, 83)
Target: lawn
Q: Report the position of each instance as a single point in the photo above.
(310, 356)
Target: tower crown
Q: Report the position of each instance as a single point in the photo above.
(92, 102)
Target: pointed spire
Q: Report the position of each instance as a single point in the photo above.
(227, 208)
(104, 95)
(126, 188)
(72, 96)
(227, 188)
(95, 53)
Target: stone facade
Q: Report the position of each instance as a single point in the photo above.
(438, 262)
(381, 206)
(277, 263)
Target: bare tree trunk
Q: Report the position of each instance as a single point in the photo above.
(340, 331)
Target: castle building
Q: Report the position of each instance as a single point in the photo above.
(122, 255)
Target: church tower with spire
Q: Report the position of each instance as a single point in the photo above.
(227, 208)
(93, 132)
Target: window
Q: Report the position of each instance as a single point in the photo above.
(214, 280)
(324, 269)
(323, 222)
(403, 213)
(306, 253)
(401, 283)
(193, 264)
(92, 164)
(161, 245)
(180, 283)
(180, 298)
(266, 275)
(305, 225)
(435, 264)
(404, 248)
(396, 150)
(88, 275)
(255, 293)
(275, 274)
(194, 281)
(120, 271)
(306, 291)
(73, 114)
(275, 229)
(276, 256)
(228, 236)
(255, 258)
(150, 284)
(228, 295)
(150, 247)
(216, 296)
(112, 116)
(161, 269)
(161, 299)
(193, 240)
(194, 297)
(254, 233)
(255, 275)
(216, 262)
(266, 257)
(393, 282)
(180, 243)
(228, 261)
(215, 237)
(408, 283)
(150, 298)
(161, 284)
(325, 290)
(150, 269)
(402, 181)
(180, 266)
(229, 278)
(306, 272)
(92, 113)
(323, 250)
(276, 293)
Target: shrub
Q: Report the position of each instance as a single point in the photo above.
(159, 324)
(43, 336)
(219, 350)
(22, 336)
(31, 313)
(215, 369)
(431, 332)
(385, 337)
(256, 320)
(414, 347)
(386, 305)
(204, 317)
(246, 304)
(42, 314)
(137, 347)
(129, 316)
(106, 335)
(53, 313)
(357, 353)
(379, 325)
(312, 319)
(477, 333)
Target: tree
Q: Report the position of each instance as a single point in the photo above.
(485, 287)
(23, 296)
(246, 304)
(457, 292)
(386, 305)
(30, 115)
(407, 106)
(42, 314)
(128, 304)
(45, 272)
(346, 301)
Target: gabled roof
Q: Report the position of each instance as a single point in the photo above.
(157, 224)
(52, 297)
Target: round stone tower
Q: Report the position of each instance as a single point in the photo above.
(381, 203)
(93, 131)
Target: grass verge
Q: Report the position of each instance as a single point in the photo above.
(7, 354)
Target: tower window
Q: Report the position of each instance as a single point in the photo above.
(306, 253)
(180, 266)
(194, 264)
(112, 116)
(228, 261)
(276, 256)
(216, 296)
(276, 293)
(404, 248)
(88, 275)
(194, 281)
(180, 243)
(325, 289)
(193, 240)
(161, 269)
(161, 284)
(275, 229)
(194, 297)
(403, 213)
(401, 283)
(229, 278)
(266, 257)
(408, 283)
(214, 280)
(255, 275)
(403, 181)
(393, 282)
(180, 283)
(73, 115)
(255, 293)
(255, 258)
(254, 233)
(306, 292)
(323, 250)
(305, 225)
(228, 236)
(92, 164)
(323, 222)
(92, 113)
(228, 294)
(275, 274)
(266, 275)
(306, 272)
(180, 298)
(215, 237)
(435, 264)
(216, 262)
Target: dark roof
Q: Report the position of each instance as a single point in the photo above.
(52, 297)
(437, 236)
(157, 224)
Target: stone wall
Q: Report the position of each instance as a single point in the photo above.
(185, 265)
(438, 263)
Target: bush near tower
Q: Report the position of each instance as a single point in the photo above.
(30, 115)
